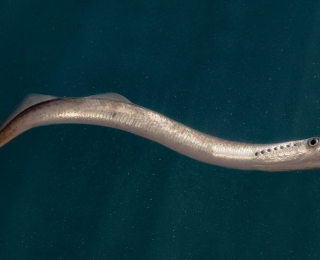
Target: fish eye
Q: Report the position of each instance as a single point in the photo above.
(313, 141)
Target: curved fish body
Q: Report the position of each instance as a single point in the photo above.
(113, 110)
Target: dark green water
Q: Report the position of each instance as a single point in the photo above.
(241, 70)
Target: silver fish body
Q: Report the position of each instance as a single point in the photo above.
(113, 110)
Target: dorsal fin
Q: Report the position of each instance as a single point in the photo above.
(28, 101)
(111, 96)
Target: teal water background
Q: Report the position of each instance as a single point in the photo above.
(241, 70)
